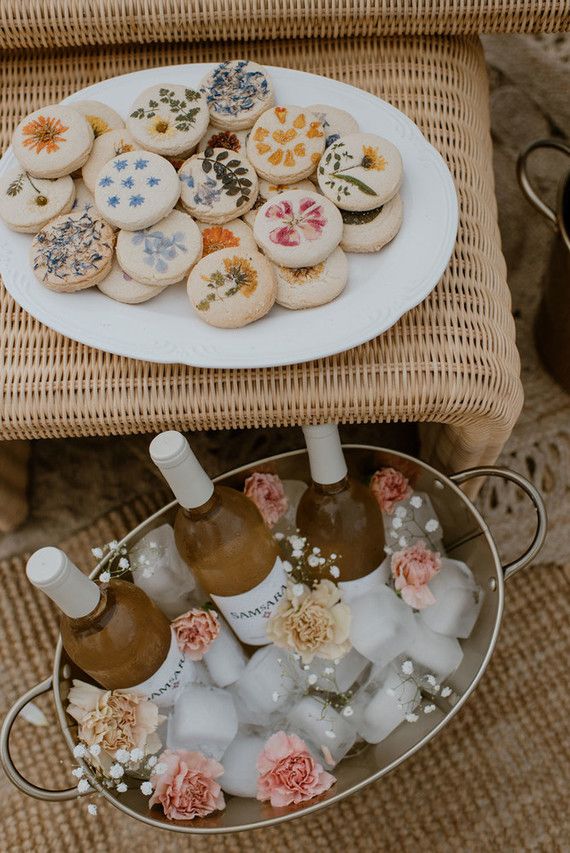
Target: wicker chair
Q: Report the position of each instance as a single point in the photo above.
(451, 363)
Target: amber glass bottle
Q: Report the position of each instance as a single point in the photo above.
(222, 537)
(113, 631)
(338, 513)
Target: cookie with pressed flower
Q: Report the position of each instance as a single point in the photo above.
(105, 147)
(336, 122)
(298, 228)
(232, 235)
(162, 254)
(27, 203)
(101, 117)
(370, 230)
(169, 119)
(233, 140)
(307, 287)
(53, 141)
(267, 189)
(217, 185)
(360, 171)
(238, 92)
(285, 144)
(232, 288)
(136, 189)
(119, 285)
(73, 252)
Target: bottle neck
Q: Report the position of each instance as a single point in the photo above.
(332, 488)
(326, 459)
(172, 455)
(198, 512)
(97, 612)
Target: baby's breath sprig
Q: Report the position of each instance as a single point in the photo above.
(405, 521)
(308, 564)
(426, 686)
(120, 562)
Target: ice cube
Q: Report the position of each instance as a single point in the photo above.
(369, 583)
(458, 600)
(240, 771)
(322, 726)
(294, 490)
(396, 697)
(204, 720)
(225, 658)
(267, 684)
(412, 520)
(435, 654)
(381, 625)
(335, 677)
(158, 569)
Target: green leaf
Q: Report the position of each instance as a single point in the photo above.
(233, 164)
(16, 186)
(245, 182)
(241, 171)
(206, 165)
(153, 104)
(350, 179)
(232, 191)
(223, 155)
(241, 200)
(208, 152)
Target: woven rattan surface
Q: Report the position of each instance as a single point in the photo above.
(28, 23)
(451, 360)
(496, 779)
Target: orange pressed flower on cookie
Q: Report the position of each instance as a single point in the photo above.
(44, 133)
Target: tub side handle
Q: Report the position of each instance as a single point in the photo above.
(524, 180)
(9, 767)
(528, 556)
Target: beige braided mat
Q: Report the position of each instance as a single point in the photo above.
(496, 779)
(29, 23)
(452, 359)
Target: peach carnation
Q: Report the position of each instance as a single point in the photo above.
(311, 622)
(195, 631)
(186, 787)
(267, 493)
(114, 719)
(412, 570)
(288, 772)
(389, 487)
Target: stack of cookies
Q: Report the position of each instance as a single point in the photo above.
(253, 204)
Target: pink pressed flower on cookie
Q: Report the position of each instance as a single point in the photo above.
(195, 631)
(389, 487)
(186, 786)
(308, 221)
(289, 773)
(412, 570)
(267, 493)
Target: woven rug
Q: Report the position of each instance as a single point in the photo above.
(496, 779)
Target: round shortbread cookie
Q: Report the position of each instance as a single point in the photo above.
(336, 122)
(101, 117)
(169, 119)
(136, 189)
(217, 185)
(84, 199)
(53, 141)
(232, 288)
(268, 189)
(162, 254)
(308, 287)
(105, 147)
(73, 252)
(370, 230)
(233, 140)
(285, 144)
(233, 235)
(298, 228)
(27, 203)
(238, 92)
(360, 171)
(119, 285)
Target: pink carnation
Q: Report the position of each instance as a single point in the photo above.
(187, 788)
(289, 773)
(389, 487)
(267, 493)
(412, 570)
(195, 631)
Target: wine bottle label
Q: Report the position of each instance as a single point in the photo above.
(161, 687)
(362, 586)
(247, 613)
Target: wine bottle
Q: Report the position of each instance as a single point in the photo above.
(112, 631)
(223, 539)
(339, 515)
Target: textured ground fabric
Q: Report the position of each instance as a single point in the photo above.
(495, 779)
